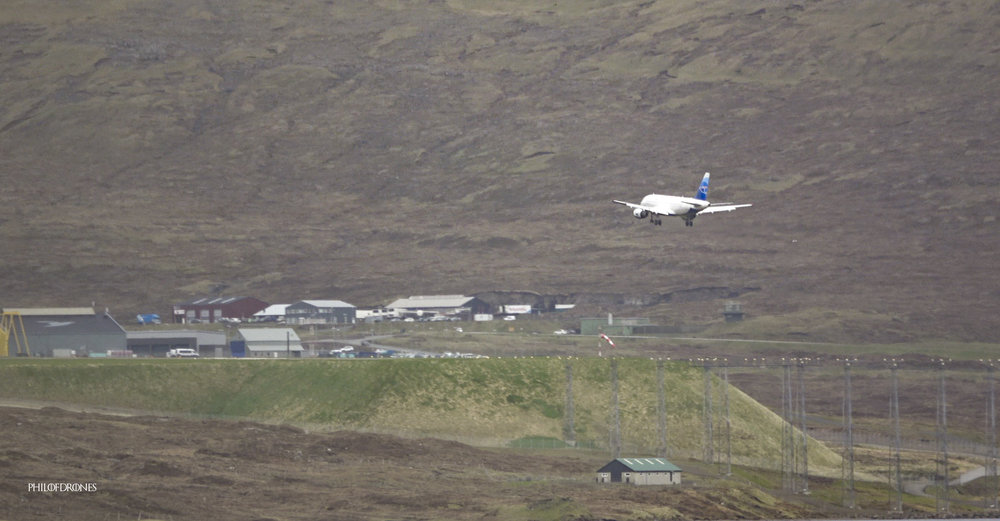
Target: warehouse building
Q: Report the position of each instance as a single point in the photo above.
(640, 471)
(266, 342)
(320, 312)
(212, 309)
(158, 343)
(446, 305)
(71, 331)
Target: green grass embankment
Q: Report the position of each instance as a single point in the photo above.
(484, 400)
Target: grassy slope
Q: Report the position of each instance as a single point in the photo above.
(493, 401)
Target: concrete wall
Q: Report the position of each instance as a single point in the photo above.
(643, 478)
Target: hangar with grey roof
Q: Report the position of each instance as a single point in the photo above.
(158, 343)
(81, 330)
(450, 305)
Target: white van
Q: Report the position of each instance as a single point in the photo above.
(182, 353)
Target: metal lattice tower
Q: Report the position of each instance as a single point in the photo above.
(847, 463)
(804, 445)
(896, 481)
(788, 464)
(616, 424)
(661, 411)
(991, 425)
(942, 499)
(569, 429)
(729, 423)
(709, 454)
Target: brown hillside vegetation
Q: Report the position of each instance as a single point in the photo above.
(155, 151)
(152, 467)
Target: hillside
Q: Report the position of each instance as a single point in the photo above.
(156, 151)
(492, 402)
(168, 468)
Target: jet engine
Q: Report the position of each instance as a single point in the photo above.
(639, 213)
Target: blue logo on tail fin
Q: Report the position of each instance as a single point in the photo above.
(703, 189)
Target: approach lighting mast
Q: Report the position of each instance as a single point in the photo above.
(12, 327)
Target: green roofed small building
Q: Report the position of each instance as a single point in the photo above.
(640, 471)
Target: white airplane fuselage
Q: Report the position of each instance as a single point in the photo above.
(656, 206)
(673, 204)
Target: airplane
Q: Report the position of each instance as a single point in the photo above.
(655, 206)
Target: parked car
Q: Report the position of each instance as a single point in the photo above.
(147, 318)
(182, 353)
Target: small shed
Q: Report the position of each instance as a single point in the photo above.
(733, 311)
(640, 471)
(268, 342)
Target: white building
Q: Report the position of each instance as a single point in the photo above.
(449, 305)
(272, 313)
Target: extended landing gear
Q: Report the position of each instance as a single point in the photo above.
(656, 221)
(688, 223)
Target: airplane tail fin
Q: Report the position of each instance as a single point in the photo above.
(703, 189)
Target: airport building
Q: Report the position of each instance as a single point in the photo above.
(266, 342)
(158, 343)
(320, 312)
(71, 332)
(449, 305)
(212, 309)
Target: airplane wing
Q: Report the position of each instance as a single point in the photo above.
(723, 208)
(650, 209)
